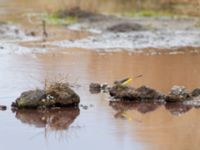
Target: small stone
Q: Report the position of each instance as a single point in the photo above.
(3, 107)
(195, 92)
(85, 107)
(32, 33)
(43, 100)
(95, 88)
(104, 86)
(91, 105)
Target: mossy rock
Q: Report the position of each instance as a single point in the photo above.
(57, 95)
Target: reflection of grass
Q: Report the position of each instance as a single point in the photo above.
(148, 13)
(53, 19)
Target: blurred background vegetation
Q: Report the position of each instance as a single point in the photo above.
(127, 7)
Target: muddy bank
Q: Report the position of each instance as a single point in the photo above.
(11, 35)
(100, 32)
(102, 22)
(133, 41)
(82, 15)
(54, 96)
(112, 33)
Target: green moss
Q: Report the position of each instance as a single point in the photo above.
(55, 19)
(21, 102)
(148, 13)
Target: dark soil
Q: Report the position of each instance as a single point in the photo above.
(80, 14)
(125, 27)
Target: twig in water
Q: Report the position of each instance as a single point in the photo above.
(45, 34)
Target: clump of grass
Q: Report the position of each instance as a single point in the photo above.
(60, 79)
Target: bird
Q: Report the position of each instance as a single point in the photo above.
(126, 81)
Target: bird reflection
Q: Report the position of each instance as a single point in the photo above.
(54, 119)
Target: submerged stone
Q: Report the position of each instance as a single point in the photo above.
(57, 95)
(178, 94)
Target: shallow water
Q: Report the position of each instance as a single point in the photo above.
(101, 125)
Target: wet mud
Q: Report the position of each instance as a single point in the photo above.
(111, 33)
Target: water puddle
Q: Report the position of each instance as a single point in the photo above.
(98, 123)
(128, 125)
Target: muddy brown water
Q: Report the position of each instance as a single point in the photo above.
(100, 125)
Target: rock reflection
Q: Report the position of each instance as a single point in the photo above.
(146, 107)
(177, 108)
(142, 107)
(57, 119)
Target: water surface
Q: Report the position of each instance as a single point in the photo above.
(102, 125)
(98, 126)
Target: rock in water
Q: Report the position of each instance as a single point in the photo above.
(178, 94)
(141, 93)
(95, 88)
(149, 93)
(2, 107)
(62, 95)
(30, 99)
(57, 95)
(122, 92)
